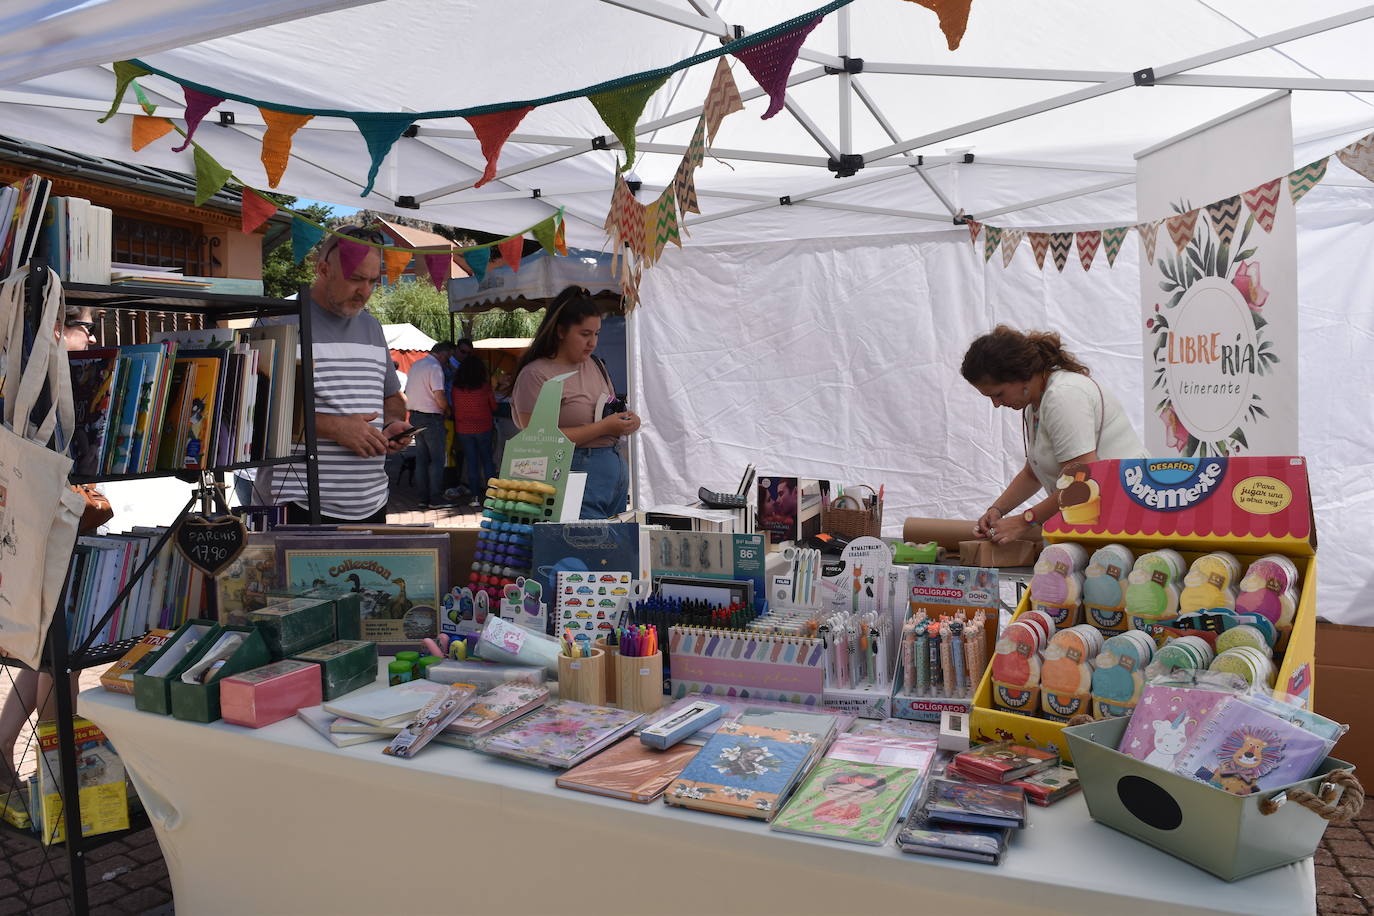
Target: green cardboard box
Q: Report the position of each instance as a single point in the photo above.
(345, 665)
(1224, 834)
(152, 683)
(294, 625)
(348, 607)
(200, 702)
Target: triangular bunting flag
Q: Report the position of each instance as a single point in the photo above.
(696, 149)
(620, 108)
(492, 131)
(1302, 180)
(1088, 242)
(145, 130)
(1011, 238)
(1040, 245)
(560, 236)
(276, 143)
(723, 99)
(1225, 217)
(543, 233)
(1359, 156)
(670, 230)
(953, 18)
(1263, 201)
(256, 210)
(381, 133)
(1060, 243)
(652, 220)
(1149, 233)
(210, 176)
(198, 105)
(440, 265)
(991, 236)
(511, 250)
(685, 188)
(304, 236)
(351, 254)
(125, 73)
(973, 227)
(770, 62)
(147, 106)
(395, 261)
(477, 260)
(1181, 228)
(1111, 242)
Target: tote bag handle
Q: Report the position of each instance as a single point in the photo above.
(23, 381)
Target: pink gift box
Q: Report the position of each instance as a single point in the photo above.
(270, 693)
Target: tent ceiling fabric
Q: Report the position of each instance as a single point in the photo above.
(440, 53)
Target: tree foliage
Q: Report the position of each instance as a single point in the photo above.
(282, 276)
(414, 302)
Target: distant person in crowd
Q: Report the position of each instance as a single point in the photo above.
(31, 689)
(505, 423)
(395, 461)
(429, 409)
(462, 350)
(360, 411)
(590, 414)
(473, 407)
(1067, 418)
(400, 376)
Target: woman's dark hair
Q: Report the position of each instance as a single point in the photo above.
(1007, 355)
(572, 306)
(471, 373)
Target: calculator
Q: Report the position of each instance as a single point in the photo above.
(713, 500)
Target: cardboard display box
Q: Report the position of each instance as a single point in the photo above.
(1345, 663)
(153, 682)
(943, 591)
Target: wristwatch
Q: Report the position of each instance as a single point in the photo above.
(1028, 516)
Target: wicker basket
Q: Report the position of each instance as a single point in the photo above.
(865, 519)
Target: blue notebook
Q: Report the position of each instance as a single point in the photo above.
(586, 546)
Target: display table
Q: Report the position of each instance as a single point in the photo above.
(278, 820)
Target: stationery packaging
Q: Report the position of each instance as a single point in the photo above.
(347, 606)
(1244, 750)
(673, 728)
(732, 707)
(195, 691)
(600, 547)
(1002, 761)
(484, 675)
(750, 665)
(591, 602)
(153, 684)
(269, 694)
(386, 706)
(709, 555)
(561, 734)
(952, 802)
(1166, 720)
(345, 665)
(923, 837)
(119, 677)
(1104, 586)
(506, 643)
(942, 595)
(1047, 786)
(294, 625)
(436, 715)
(628, 770)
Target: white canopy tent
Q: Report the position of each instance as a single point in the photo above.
(820, 334)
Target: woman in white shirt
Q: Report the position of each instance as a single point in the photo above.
(1066, 419)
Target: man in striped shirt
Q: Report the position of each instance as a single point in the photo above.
(358, 400)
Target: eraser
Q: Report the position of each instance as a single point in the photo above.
(668, 731)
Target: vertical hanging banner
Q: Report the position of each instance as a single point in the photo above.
(1219, 311)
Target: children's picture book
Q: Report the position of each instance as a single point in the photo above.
(628, 771)
(923, 837)
(123, 412)
(387, 705)
(100, 783)
(179, 393)
(561, 734)
(1002, 761)
(93, 382)
(434, 718)
(859, 790)
(1164, 721)
(954, 802)
(244, 585)
(498, 706)
(1244, 750)
(197, 436)
(750, 766)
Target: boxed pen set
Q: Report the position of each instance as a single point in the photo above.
(946, 640)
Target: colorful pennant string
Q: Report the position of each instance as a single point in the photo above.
(145, 130)
(1181, 228)
(511, 251)
(1225, 218)
(276, 143)
(1359, 156)
(255, 210)
(723, 99)
(1087, 241)
(439, 265)
(394, 262)
(380, 133)
(1302, 180)
(125, 71)
(770, 62)
(305, 235)
(1111, 242)
(1263, 201)
(198, 105)
(1060, 243)
(1011, 238)
(493, 130)
(477, 260)
(1149, 235)
(210, 176)
(351, 254)
(1040, 245)
(620, 109)
(992, 235)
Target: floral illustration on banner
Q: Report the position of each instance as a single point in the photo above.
(746, 760)
(1207, 255)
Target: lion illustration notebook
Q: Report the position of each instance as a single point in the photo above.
(1244, 750)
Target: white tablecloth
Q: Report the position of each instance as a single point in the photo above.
(278, 820)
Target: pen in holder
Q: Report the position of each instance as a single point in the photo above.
(612, 653)
(583, 680)
(639, 682)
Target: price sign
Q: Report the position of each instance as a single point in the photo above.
(211, 543)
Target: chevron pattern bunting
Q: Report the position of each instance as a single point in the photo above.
(1040, 245)
(973, 227)
(1225, 216)
(1359, 156)
(1181, 228)
(685, 188)
(1263, 201)
(1302, 180)
(1060, 243)
(1111, 242)
(1011, 239)
(722, 100)
(991, 236)
(1088, 242)
(1149, 233)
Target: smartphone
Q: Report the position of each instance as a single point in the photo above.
(403, 433)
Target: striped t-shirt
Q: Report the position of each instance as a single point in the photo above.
(353, 375)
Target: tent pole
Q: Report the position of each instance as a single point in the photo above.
(810, 126)
(1055, 198)
(846, 102)
(892, 134)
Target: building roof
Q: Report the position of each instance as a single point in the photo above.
(410, 237)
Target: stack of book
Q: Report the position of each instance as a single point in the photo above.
(77, 238)
(168, 278)
(193, 400)
(22, 208)
(169, 593)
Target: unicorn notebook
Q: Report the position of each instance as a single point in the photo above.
(1165, 720)
(1244, 750)
(561, 734)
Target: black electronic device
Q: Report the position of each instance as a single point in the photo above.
(713, 500)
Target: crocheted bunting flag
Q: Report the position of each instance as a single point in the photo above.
(1359, 156)
(1302, 180)
(1111, 242)
(1263, 201)
(991, 236)
(198, 105)
(770, 62)
(125, 72)
(1011, 238)
(394, 262)
(1225, 217)
(1087, 242)
(351, 254)
(493, 130)
(478, 259)
(304, 236)
(1040, 245)
(953, 18)
(1181, 228)
(210, 176)
(543, 233)
(255, 210)
(440, 265)
(721, 100)
(147, 106)
(1060, 243)
(621, 107)
(380, 132)
(560, 235)
(1149, 234)
(511, 250)
(276, 143)
(973, 227)
(145, 130)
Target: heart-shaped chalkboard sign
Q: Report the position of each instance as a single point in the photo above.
(211, 542)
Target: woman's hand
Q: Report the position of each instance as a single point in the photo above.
(621, 424)
(1011, 528)
(983, 527)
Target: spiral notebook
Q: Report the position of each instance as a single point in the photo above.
(738, 663)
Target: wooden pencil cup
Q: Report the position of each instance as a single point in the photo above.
(612, 653)
(583, 680)
(639, 682)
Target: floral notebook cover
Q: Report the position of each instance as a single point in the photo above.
(498, 706)
(561, 734)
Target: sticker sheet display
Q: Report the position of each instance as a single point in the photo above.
(592, 602)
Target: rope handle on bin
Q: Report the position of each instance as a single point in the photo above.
(1324, 805)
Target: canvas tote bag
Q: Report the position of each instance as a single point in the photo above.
(39, 512)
